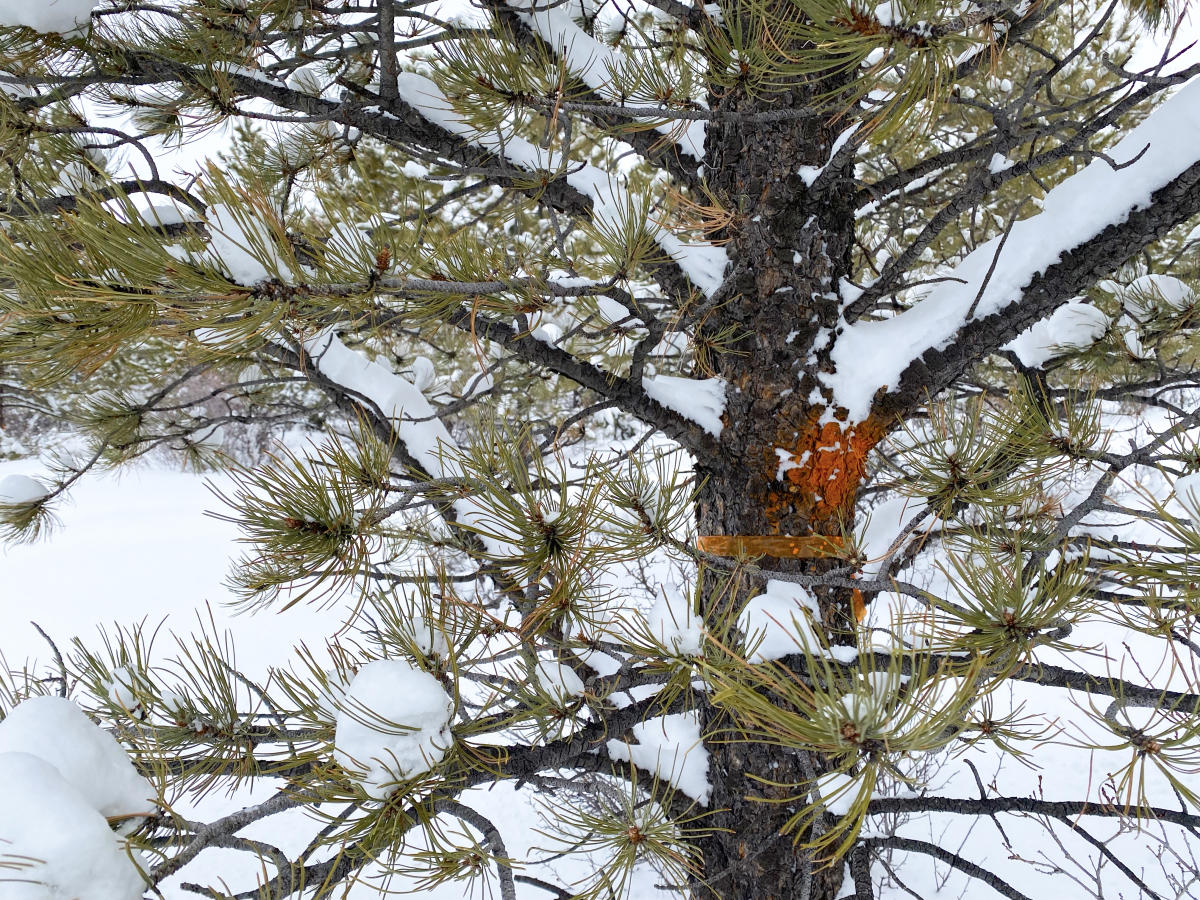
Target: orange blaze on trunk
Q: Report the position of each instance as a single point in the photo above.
(819, 470)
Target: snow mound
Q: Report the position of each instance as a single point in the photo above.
(53, 843)
(558, 681)
(1187, 492)
(392, 724)
(779, 621)
(48, 16)
(670, 747)
(243, 248)
(85, 756)
(169, 214)
(671, 621)
(16, 489)
(1074, 326)
(1150, 293)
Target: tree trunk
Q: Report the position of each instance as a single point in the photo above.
(789, 466)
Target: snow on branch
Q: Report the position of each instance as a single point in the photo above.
(704, 264)
(997, 277)
(411, 416)
(595, 62)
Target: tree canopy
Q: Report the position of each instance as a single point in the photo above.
(728, 427)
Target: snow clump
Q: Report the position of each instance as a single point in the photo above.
(1187, 492)
(1073, 326)
(779, 621)
(17, 489)
(1150, 293)
(60, 846)
(243, 247)
(558, 681)
(62, 780)
(671, 748)
(88, 758)
(48, 16)
(672, 622)
(392, 724)
(700, 399)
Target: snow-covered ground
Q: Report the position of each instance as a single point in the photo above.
(130, 548)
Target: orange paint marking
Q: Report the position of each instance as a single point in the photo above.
(858, 605)
(783, 546)
(823, 468)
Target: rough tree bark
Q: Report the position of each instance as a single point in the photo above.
(788, 464)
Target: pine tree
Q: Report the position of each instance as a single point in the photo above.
(757, 389)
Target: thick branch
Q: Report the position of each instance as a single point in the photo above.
(1079, 268)
(1058, 809)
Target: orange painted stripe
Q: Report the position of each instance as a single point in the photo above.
(783, 546)
(814, 546)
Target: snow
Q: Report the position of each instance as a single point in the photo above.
(810, 174)
(125, 535)
(122, 690)
(48, 16)
(1187, 492)
(423, 373)
(844, 654)
(88, 758)
(788, 461)
(670, 747)
(428, 637)
(594, 62)
(54, 845)
(870, 355)
(415, 421)
(1074, 326)
(704, 264)
(881, 528)
(61, 779)
(700, 399)
(392, 724)
(559, 681)
(1150, 293)
(672, 623)
(838, 791)
(615, 313)
(242, 247)
(17, 489)
(169, 214)
(779, 621)
(310, 79)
